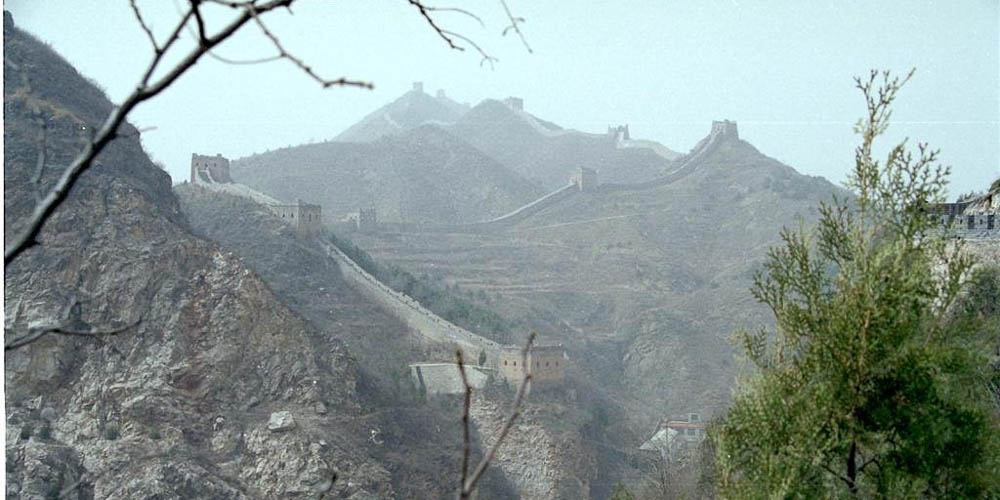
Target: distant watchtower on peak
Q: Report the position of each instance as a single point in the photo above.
(515, 103)
(210, 169)
(418, 87)
(620, 133)
(725, 128)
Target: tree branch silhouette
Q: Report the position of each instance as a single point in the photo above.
(468, 484)
(146, 89)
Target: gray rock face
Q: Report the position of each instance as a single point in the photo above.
(136, 415)
(281, 421)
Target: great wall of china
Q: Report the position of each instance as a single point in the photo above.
(426, 323)
(975, 218)
(484, 355)
(582, 180)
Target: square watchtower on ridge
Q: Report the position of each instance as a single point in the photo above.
(210, 169)
(306, 218)
(584, 178)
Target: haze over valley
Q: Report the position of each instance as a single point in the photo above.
(263, 293)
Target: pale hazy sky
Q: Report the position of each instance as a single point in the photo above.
(782, 69)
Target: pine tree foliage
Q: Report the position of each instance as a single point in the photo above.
(874, 382)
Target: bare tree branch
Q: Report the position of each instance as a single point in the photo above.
(196, 9)
(142, 23)
(459, 10)
(38, 333)
(514, 22)
(466, 441)
(298, 62)
(469, 485)
(486, 57)
(226, 60)
(221, 58)
(145, 90)
(426, 12)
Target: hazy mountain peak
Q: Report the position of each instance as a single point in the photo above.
(412, 109)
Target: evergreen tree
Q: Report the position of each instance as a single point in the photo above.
(873, 382)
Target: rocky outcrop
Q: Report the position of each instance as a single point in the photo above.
(539, 463)
(177, 404)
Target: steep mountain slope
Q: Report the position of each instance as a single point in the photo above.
(425, 175)
(178, 405)
(643, 282)
(409, 111)
(300, 274)
(547, 456)
(548, 154)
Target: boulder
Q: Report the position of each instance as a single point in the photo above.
(281, 421)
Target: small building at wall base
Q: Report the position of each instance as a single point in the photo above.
(434, 379)
(677, 439)
(306, 218)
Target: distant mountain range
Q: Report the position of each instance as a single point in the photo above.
(424, 159)
(424, 174)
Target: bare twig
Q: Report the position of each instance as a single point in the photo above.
(456, 9)
(466, 441)
(514, 22)
(227, 60)
(142, 23)
(469, 485)
(38, 332)
(486, 57)
(426, 12)
(221, 58)
(298, 62)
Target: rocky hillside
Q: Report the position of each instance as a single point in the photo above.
(184, 403)
(424, 175)
(547, 154)
(409, 111)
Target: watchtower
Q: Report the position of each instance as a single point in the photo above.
(515, 103)
(367, 219)
(725, 128)
(210, 169)
(306, 218)
(584, 178)
(547, 362)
